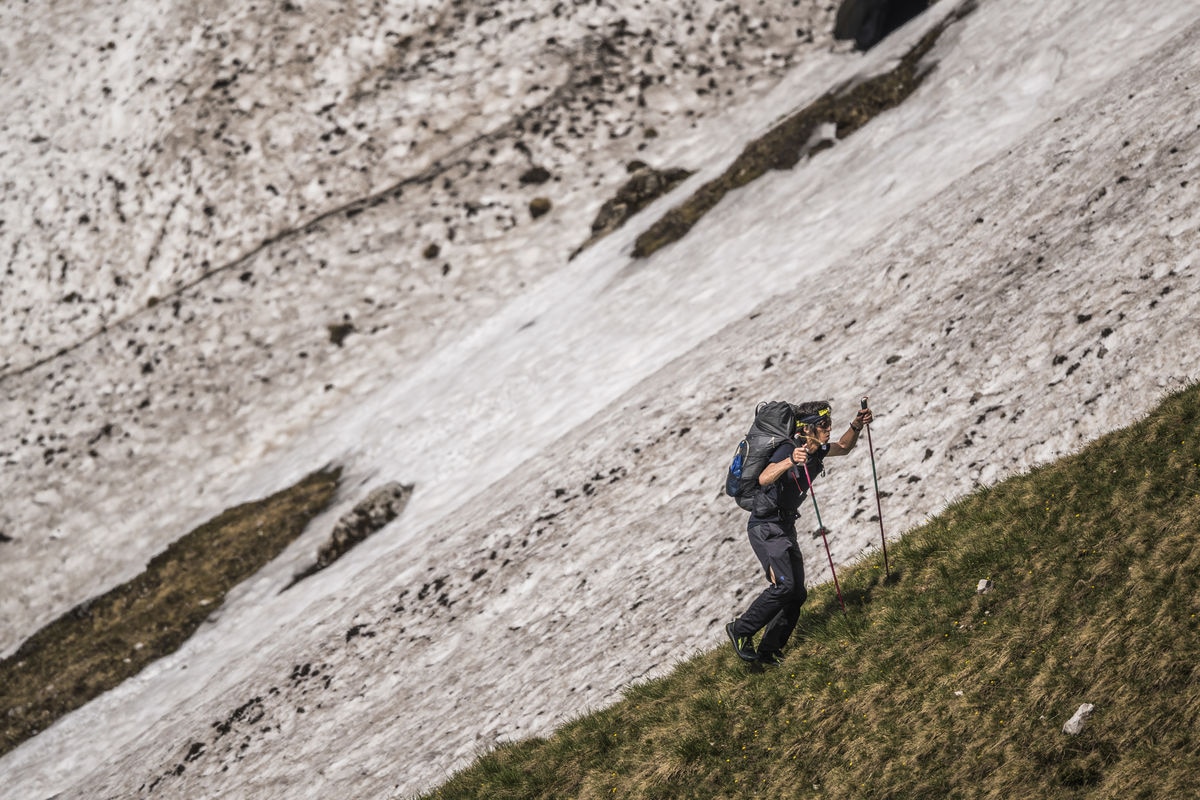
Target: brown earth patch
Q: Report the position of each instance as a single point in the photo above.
(98, 644)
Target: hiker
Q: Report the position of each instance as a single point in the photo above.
(772, 529)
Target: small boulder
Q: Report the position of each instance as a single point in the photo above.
(535, 176)
(1074, 725)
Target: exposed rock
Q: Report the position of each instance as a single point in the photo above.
(535, 176)
(867, 22)
(984, 586)
(377, 509)
(339, 332)
(1075, 724)
(645, 185)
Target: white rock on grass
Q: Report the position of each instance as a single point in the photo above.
(1074, 725)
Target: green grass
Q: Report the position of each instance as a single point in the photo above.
(925, 688)
(100, 643)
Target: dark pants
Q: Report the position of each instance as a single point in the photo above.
(777, 608)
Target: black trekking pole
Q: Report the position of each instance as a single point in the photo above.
(821, 528)
(878, 507)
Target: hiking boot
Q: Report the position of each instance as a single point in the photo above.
(771, 659)
(741, 644)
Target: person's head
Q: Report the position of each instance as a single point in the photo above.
(813, 420)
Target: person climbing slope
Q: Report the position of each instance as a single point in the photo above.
(782, 486)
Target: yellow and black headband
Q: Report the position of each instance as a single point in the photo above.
(813, 419)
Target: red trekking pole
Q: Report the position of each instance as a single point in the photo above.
(878, 507)
(821, 527)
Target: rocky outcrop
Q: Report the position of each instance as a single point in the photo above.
(867, 22)
(832, 117)
(645, 185)
(377, 509)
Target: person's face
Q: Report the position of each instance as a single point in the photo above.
(818, 433)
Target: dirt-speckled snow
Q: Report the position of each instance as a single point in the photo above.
(197, 194)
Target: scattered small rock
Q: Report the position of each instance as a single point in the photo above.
(539, 207)
(984, 586)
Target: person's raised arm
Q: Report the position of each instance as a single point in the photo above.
(850, 438)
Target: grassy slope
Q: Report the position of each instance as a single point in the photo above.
(99, 644)
(926, 688)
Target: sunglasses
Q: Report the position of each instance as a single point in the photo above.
(824, 422)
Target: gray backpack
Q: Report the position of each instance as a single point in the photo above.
(774, 423)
